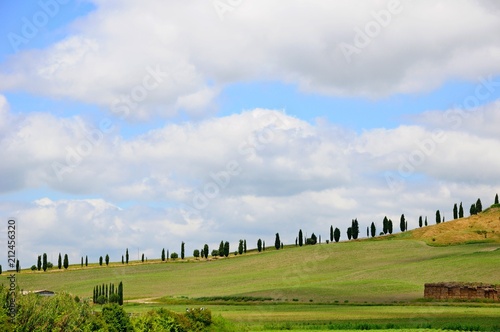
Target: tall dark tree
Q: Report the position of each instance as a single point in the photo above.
(385, 225)
(277, 242)
(18, 266)
(142, 258)
(126, 256)
(107, 259)
(86, 260)
(425, 222)
(263, 245)
(81, 262)
(39, 263)
(226, 248)
(301, 238)
(390, 226)
(455, 211)
(479, 206)
(373, 229)
(59, 262)
(163, 255)
(349, 233)
(182, 250)
(120, 293)
(420, 221)
(496, 199)
(100, 260)
(221, 249)
(205, 250)
(438, 217)
(355, 229)
(331, 233)
(367, 231)
(402, 223)
(168, 254)
(66, 261)
(473, 210)
(44, 262)
(259, 245)
(123, 260)
(336, 235)
(240, 247)
(244, 246)
(313, 239)
(461, 211)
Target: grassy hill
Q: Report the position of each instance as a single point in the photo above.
(391, 268)
(484, 227)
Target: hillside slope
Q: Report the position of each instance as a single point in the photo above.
(484, 227)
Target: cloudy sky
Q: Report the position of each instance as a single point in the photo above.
(144, 124)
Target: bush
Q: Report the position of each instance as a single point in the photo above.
(101, 299)
(116, 318)
(174, 255)
(33, 268)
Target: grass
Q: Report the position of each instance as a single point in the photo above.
(348, 285)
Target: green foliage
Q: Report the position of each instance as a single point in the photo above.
(455, 211)
(259, 245)
(142, 258)
(240, 247)
(402, 223)
(116, 318)
(226, 248)
(196, 253)
(182, 250)
(100, 260)
(355, 229)
(59, 262)
(205, 250)
(215, 253)
(33, 267)
(461, 211)
(86, 260)
(44, 262)
(420, 222)
(349, 233)
(174, 255)
(496, 199)
(107, 259)
(438, 217)
(39, 263)
(473, 209)
(373, 229)
(479, 206)
(336, 235)
(221, 249)
(126, 256)
(277, 241)
(162, 255)
(65, 261)
(301, 238)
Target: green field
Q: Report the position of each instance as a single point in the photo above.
(329, 286)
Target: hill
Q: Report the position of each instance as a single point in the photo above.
(484, 227)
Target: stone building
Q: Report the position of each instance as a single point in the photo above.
(464, 291)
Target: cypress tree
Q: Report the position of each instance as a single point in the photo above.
(420, 222)
(296, 241)
(0, 269)
(355, 229)
(473, 209)
(106, 295)
(167, 254)
(263, 245)
(240, 247)
(123, 260)
(389, 226)
(301, 238)
(182, 250)
(39, 263)
(461, 211)
(44, 262)
(259, 245)
(142, 258)
(455, 211)
(425, 223)
(100, 260)
(277, 242)
(107, 259)
(86, 260)
(336, 235)
(402, 223)
(479, 206)
(349, 233)
(18, 266)
(66, 261)
(120, 293)
(226, 248)
(438, 217)
(496, 199)
(244, 247)
(126, 256)
(59, 262)
(82, 262)
(385, 225)
(221, 249)
(163, 255)
(373, 229)
(205, 250)
(367, 231)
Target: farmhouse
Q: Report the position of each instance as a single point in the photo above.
(455, 290)
(42, 292)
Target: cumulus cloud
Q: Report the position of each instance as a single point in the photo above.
(245, 175)
(109, 54)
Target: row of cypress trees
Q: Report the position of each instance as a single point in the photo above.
(103, 294)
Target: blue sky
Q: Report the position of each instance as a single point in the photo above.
(235, 129)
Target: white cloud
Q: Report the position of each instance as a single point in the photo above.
(106, 56)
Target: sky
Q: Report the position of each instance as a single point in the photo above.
(141, 125)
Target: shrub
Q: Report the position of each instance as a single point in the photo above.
(174, 255)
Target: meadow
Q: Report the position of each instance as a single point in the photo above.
(365, 284)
